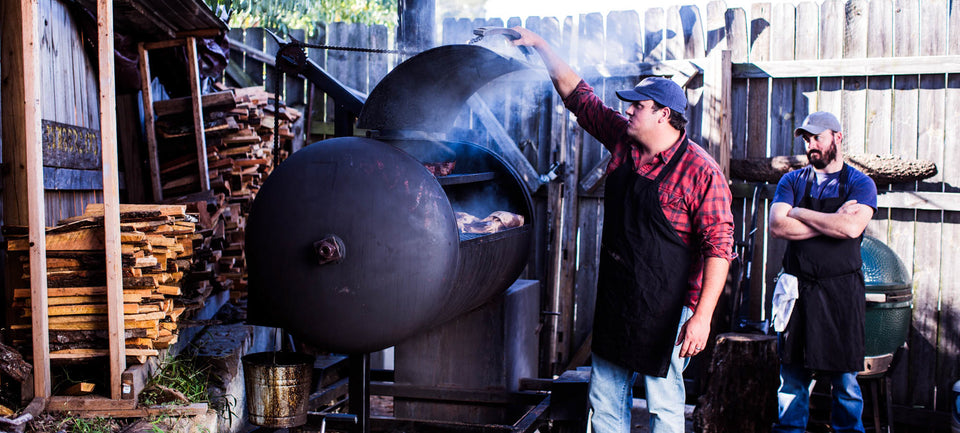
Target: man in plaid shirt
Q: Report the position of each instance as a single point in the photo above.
(666, 247)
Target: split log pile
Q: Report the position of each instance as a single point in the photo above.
(225, 222)
(239, 131)
(167, 265)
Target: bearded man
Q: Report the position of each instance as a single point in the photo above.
(822, 210)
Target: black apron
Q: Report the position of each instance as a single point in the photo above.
(826, 328)
(644, 267)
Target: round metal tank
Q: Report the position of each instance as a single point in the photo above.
(889, 298)
(352, 243)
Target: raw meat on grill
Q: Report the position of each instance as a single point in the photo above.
(440, 168)
(496, 221)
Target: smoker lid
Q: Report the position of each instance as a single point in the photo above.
(427, 92)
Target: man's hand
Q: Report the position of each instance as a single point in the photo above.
(527, 38)
(693, 336)
(848, 208)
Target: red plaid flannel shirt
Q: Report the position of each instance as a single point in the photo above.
(695, 197)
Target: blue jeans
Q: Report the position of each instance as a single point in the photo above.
(611, 394)
(794, 399)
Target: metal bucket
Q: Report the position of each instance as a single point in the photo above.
(278, 387)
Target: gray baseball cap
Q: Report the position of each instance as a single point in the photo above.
(818, 122)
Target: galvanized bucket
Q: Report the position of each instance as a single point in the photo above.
(278, 387)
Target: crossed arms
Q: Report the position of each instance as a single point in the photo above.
(795, 223)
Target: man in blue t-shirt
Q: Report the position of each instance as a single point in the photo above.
(822, 210)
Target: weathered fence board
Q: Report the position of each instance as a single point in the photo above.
(253, 38)
(293, 86)
(807, 94)
(318, 104)
(948, 350)
(832, 19)
(879, 99)
(854, 88)
(737, 42)
(694, 49)
(902, 221)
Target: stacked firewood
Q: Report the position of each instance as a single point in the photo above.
(239, 126)
(225, 222)
(164, 257)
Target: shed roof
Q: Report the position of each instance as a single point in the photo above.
(152, 20)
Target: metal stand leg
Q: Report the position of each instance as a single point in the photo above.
(359, 391)
(876, 404)
(889, 400)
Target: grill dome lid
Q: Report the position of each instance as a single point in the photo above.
(427, 92)
(882, 268)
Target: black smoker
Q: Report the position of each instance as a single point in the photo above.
(352, 243)
(352, 246)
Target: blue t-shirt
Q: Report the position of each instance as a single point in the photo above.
(859, 187)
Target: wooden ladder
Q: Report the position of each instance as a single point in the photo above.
(148, 111)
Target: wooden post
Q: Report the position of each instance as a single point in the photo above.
(149, 124)
(416, 29)
(111, 195)
(198, 113)
(30, 50)
(741, 392)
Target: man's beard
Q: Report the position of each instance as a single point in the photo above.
(822, 159)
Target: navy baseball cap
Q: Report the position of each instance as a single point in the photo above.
(660, 90)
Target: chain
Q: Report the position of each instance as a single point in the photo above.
(278, 80)
(276, 119)
(362, 50)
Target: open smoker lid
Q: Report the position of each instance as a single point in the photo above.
(427, 91)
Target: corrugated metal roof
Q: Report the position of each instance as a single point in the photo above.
(154, 20)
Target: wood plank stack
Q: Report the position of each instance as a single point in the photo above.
(223, 223)
(240, 127)
(161, 249)
(239, 130)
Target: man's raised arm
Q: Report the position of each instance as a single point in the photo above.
(564, 78)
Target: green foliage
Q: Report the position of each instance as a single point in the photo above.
(83, 425)
(179, 374)
(224, 405)
(284, 15)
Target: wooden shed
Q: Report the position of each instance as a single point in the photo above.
(72, 138)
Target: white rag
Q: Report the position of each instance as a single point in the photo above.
(784, 297)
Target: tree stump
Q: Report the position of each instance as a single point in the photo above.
(742, 382)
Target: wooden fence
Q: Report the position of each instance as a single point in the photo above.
(870, 62)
